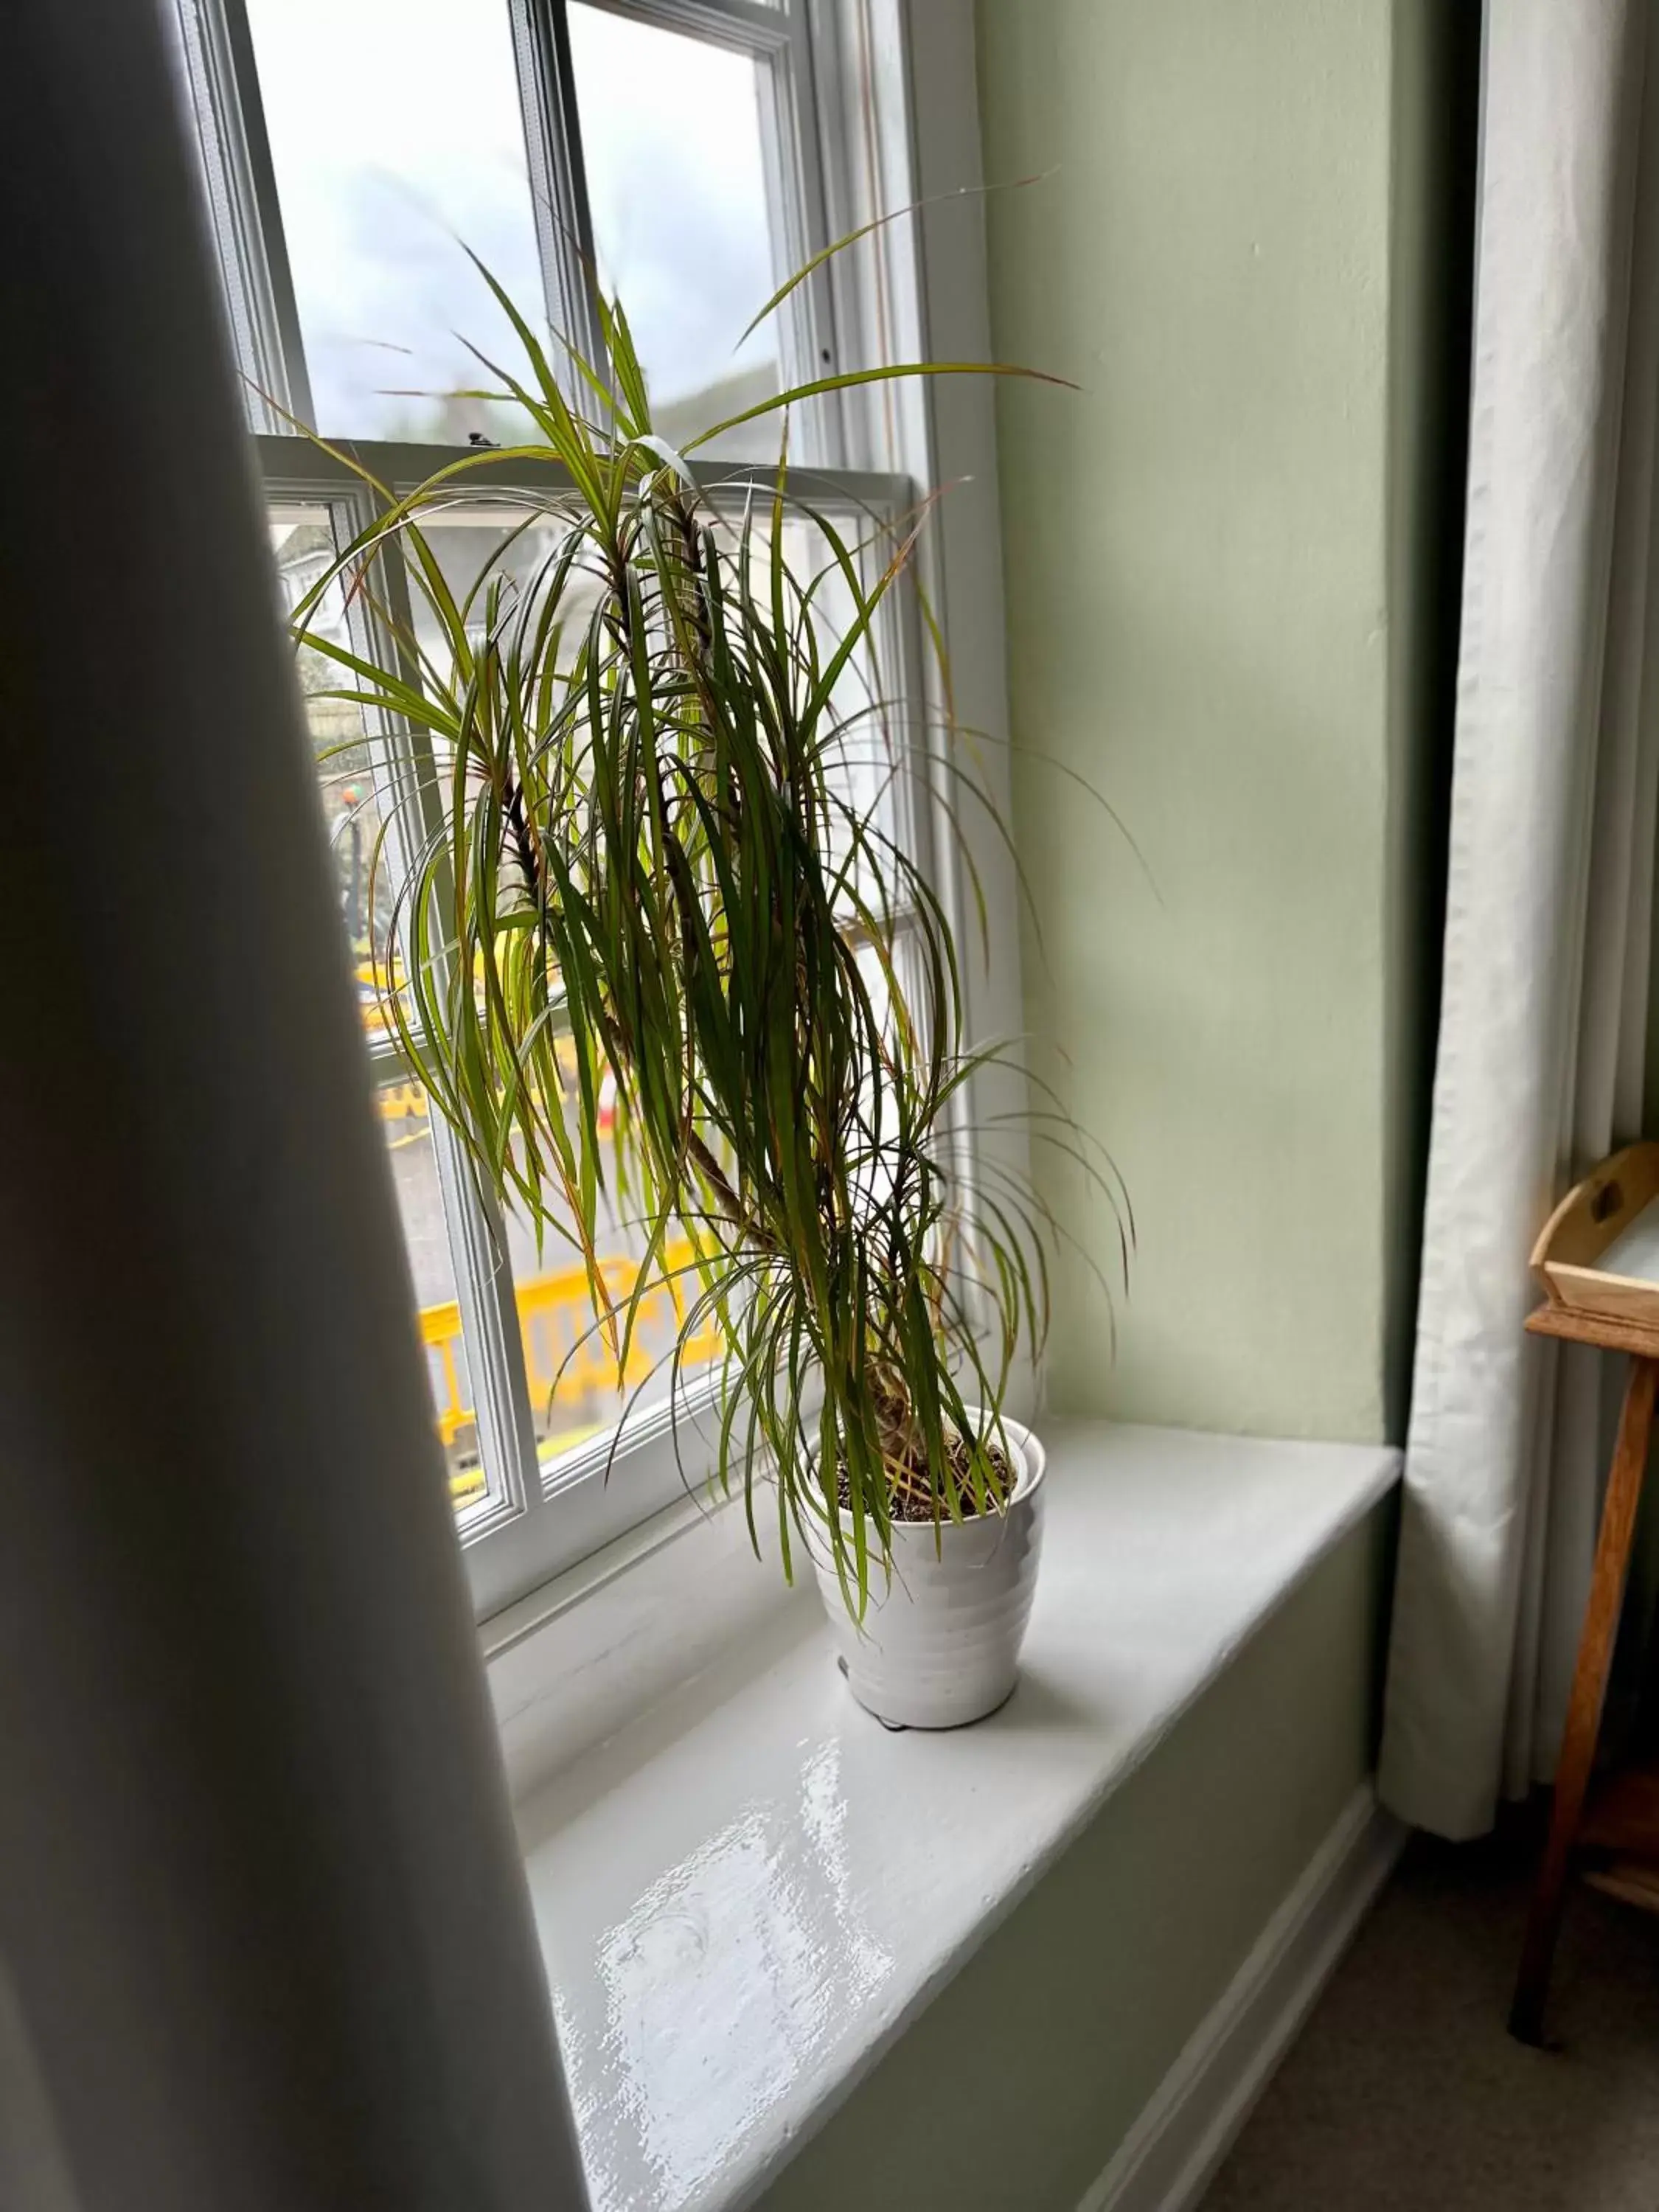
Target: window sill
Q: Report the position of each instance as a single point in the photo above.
(747, 1889)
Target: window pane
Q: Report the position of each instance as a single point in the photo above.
(675, 155)
(863, 738)
(569, 1365)
(570, 1368)
(406, 1118)
(302, 545)
(395, 130)
(475, 540)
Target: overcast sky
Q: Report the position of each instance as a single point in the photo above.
(395, 128)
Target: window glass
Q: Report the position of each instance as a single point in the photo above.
(476, 540)
(302, 546)
(406, 1119)
(395, 130)
(863, 736)
(674, 147)
(570, 1368)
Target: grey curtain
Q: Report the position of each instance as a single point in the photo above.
(264, 1940)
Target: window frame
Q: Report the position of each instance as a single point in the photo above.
(226, 123)
(854, 147)
(239, 178)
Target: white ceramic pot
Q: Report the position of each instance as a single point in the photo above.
(939, 1643)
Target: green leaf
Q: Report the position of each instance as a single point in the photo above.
(852, 379)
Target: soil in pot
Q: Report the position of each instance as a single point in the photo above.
(911, 1494)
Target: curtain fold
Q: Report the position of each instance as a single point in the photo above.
(1549, 929)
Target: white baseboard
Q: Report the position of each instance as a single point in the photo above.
(1166, 2161)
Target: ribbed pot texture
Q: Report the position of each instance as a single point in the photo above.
(940, 1645)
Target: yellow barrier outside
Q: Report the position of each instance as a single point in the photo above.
(403, 1102)
(566, 1358)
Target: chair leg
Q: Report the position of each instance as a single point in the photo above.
(1589, 1685)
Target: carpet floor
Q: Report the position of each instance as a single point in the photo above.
(1403, 2089)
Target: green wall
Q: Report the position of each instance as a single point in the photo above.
(1015, 2086)
(1226, 599)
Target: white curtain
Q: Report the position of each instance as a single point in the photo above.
(1543, 1012)
(265, 1940)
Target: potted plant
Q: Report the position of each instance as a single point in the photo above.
(666, 893)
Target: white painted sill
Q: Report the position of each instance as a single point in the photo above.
(745, 1888)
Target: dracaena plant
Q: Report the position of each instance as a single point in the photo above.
(664, 942)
